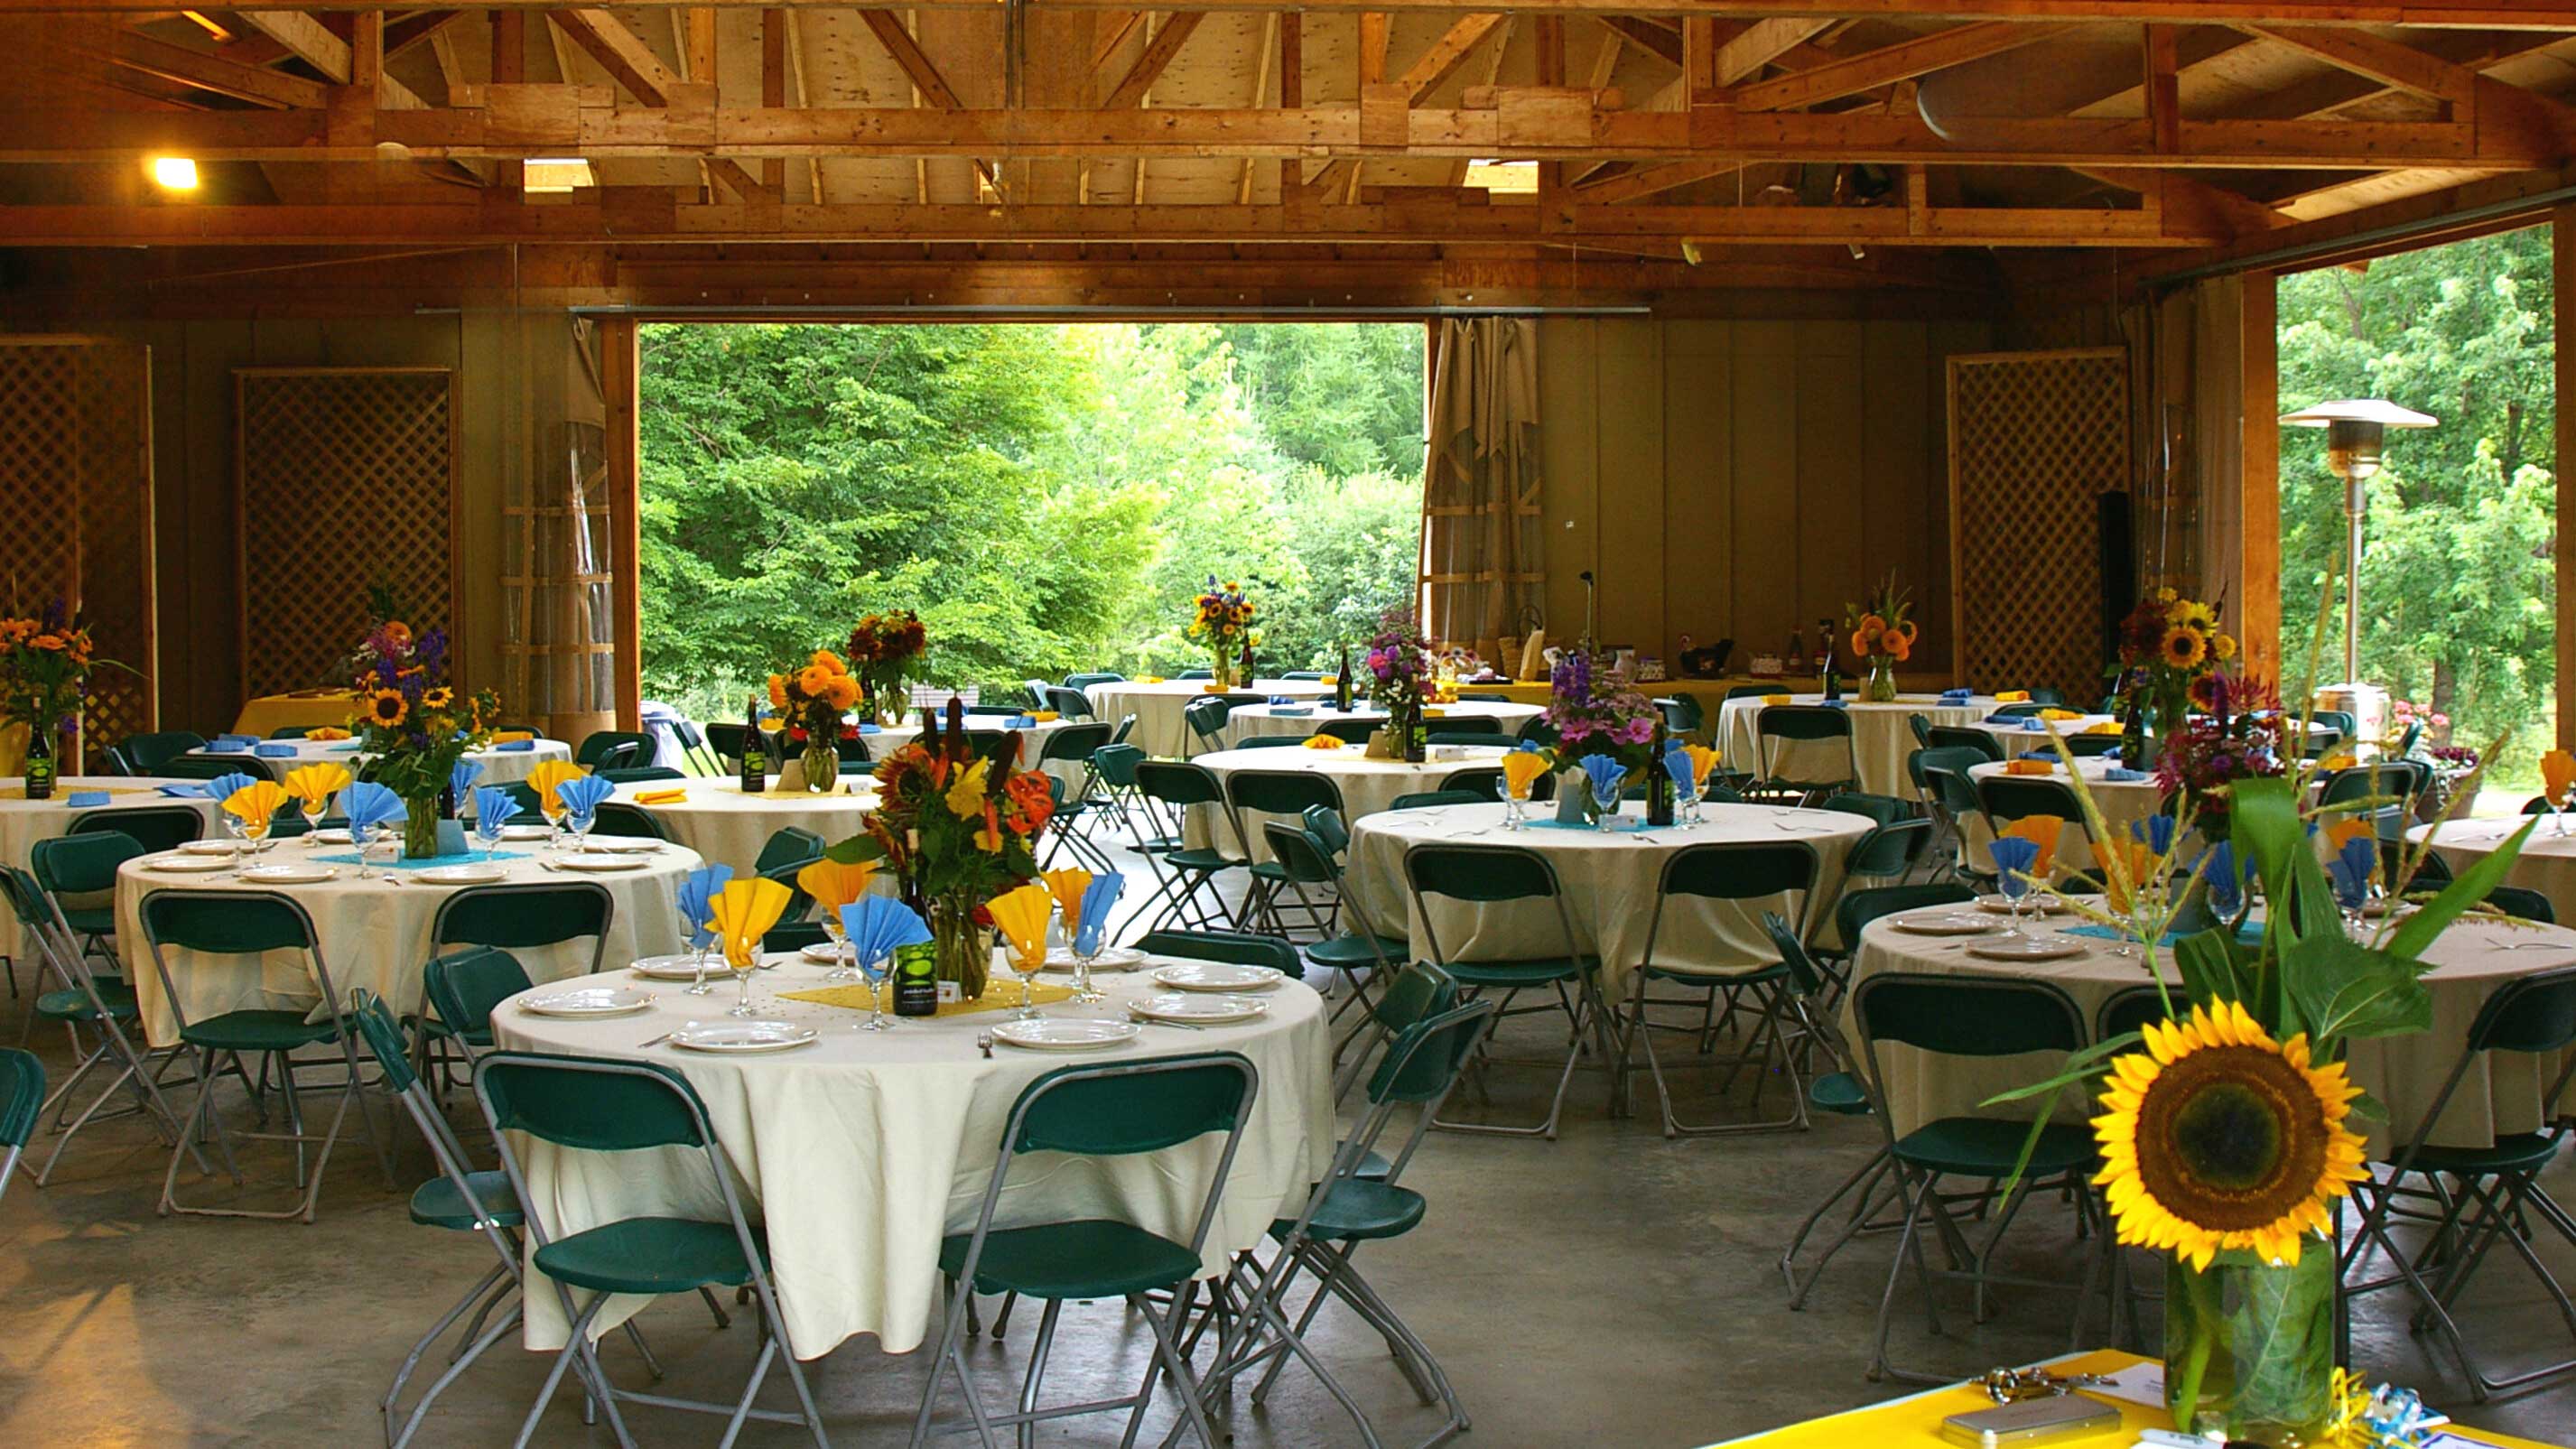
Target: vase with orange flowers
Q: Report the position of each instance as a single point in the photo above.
(811, 704)
(1882, 637)
(882, 648)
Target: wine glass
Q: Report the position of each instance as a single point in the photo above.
(1027, 968)
(237, 830)
(873, 968)
(743, 970)
(362, 835)
(2016, 887)
(579, 822)
(1516, 793)
(1605, 795)
(844, 967)
(487, 829)
(255, 830)
(312, 807)
(552, 807)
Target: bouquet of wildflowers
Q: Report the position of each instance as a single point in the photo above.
(811, 701)
(1595, 712)
(1399, 668)
(882, 648)
(410, 718)
(45, 664)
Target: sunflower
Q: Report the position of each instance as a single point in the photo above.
(777, 691)
(2216, 1138)
(2184, 647)
(812, 680)
(2222, 647)
(438, 698)
(388, 708)
(828, 660)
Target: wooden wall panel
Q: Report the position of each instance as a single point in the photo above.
(1762, 578)
(1835, 563)
(1569, 417)
(1899, 502)
(1699, 480)
(1629, 447)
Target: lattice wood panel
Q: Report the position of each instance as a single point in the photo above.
(2035, 439)
(347, 481)
(76, 506)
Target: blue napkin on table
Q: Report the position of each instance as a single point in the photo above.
(368, 803)
(1678, 768)
(2126, 777)
(1606, 775)
(1282, 699)
(878, 924)
(1835, 703)
(698, 891)
(2049, 755)
(236, 739)
(494, 805)
(1284, 711)
(1957, 696)
(517, 747)
(581, 798)
(1021, 722)
(228, 747)
(2014, 857)
(84, 799)
(460, 779)
(2352, 870)
(2155, 832)
(274, 751)
(184, 792)
(2225, 877)
(872, 728)
(1098, 899)
(2007, 721)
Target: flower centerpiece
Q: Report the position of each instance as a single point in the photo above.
(960, 828)
(46, 660)
(1595, 712)
(1399, 665)
(1882, 637)
(882, 648)
(1223, 626)
(2166, 643)
(2236, 737)
(414, 724)
(810, 704)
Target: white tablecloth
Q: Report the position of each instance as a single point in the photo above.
(1367, 786)
(1881, 739)
(500, 767)
(724, 826)
(1263, 719)
(2470, 961)
(1157, 706)
(862, 1150)
(2547, 863)
(2019, 735)
(2121, 803)
(375, 933)
(23, 822)
(1609, 877)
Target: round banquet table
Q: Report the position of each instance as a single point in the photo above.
(1881, 739)
(2020, 734)
(885, 740)
(1157, 705)
(23, 822)
(2470, 961)
(1610, 879)
(2547, 863)
(724, 826)
(269, 713)
(1254, 720)
(1368, 787)
(500, 766)
(860, 1151)
(374, 933)
(2121, 802)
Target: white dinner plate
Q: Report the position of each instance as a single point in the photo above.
(621, 845)
(1066, 1034)
(333, 836)
(1198, 1007)
(2027, 948)
(1217, 976)
(2037, 903)
(745, 1036)
(1946, 923)
(483, 873)
(1111, 958)
(600, 864)
(822, 953)
(286, 873)
(208, 847)
(683, 967)
(190, 864)
(589, 1001)
(526, 832)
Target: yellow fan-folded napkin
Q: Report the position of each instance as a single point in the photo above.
(1775, 699)
(2133, 856)
(1521, 769)
(2106, 727)
(2342, 760)
(1151, 679)
(1068, 887)
(2012, 696)
(1323, 742)
(316, 784)
(1021, 916)
(545, 777)
(1430, 713)
(512, 737)
(1045, 716)
(2041, 831)
(326, 734)
(744, 913)
(2055, 714)
(2029, 767)
(1704, 762)
(834, 885)
(256, 802)
(661, 797)
(2343, 832)
(2557, 772)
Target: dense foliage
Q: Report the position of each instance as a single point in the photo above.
(1050, 498)
(2458, 584)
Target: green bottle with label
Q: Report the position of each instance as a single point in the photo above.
(916, 979)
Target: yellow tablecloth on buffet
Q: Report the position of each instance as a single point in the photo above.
(270, 713)
(1916, 1419)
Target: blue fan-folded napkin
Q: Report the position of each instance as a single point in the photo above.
(517, 747)
(2155, 832)
(581, 797)
(2352, 868)
(2125, 777)
(368, 803)
(2226, 879)
(878, 924)
(493, 805)
(698, 891)
(1020, 722)
(274, 751)
(2014, 857)
(184, 792)
(1098, 899)
(461, 778)
(84, 799)
(1606, 775)
(224, 787)
(1678, 768)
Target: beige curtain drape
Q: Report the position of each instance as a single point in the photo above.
(1481, 561)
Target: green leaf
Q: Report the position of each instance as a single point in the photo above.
(2417, 931)
(2345, 989)
(856, 850)
(2210, 967)
(2369, 1108)
(2083, 1065)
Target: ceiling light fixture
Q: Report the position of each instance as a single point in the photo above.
(555, 175)
(174, 173)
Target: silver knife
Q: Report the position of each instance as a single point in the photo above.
(657, 1041)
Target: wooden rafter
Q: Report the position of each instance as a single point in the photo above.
(1653, 180)
(620, 52)
(1154, 60)
(1446, 54)
(204, 71)
(1889, 64)
(1762, 43)
(2456, 14)
(933, 88)
(1652, 36)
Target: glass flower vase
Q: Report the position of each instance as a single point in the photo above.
(822, 768)
(964, 949)
(1880, 686)
(420, 828)
(1223, 670)
(2249, 1347)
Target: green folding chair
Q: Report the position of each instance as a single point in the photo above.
(614, 750)
(1732, 872)
(1276, 793)
(1122, 1110)
(1857, 908)
(461, 988)
(250, 925)
(1966, 737)
(1188, 879)
(150, 753)
(583, 1105)
(22, 1091)
(2399, 783)
(78, 876)
(1305, 862)
(1780, 729)
(156, 828)
(212, 767)
(1485, 782)
(1434, 799)
(1350, 731)
(640, 774)
(1838, 1091)
(1234, 948)
(1204, 718)
(1480, 876)
(728, 741)
(623, 819)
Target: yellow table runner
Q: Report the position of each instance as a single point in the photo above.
(1916, 1419)
(1000, 994)
(19, 792)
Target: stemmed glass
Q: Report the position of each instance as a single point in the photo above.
(2351, 892)
(312, 807)
(1516, 795)
(255, 831)
(743, 971)
(553, 809)
(2558, 809)
(362, 835)
(873, 968)
(487, 829)
(2016, 887)
(580, 823)
(238, 830)
(845, 967)
(1605, 795)
(1086, 949)
(1027, 968)
(1686, 794)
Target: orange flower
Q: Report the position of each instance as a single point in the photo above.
(1902, 649)
(1908, 627)
(1872, 623)
(777, 691)
(398, 633)
(828, 660)
(1863, 641)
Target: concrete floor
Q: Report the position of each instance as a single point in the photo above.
(1606, 1289)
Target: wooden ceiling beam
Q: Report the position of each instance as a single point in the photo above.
(620, 52)
(889, 30)
(305, 38)
(1764, 42)
(1889, 64)
(1156, 58)
(414, 30)
(1446, 54)
(209, 72)
(2456, 14)
(2200, 205)
(1652, 180)
(1652, 36)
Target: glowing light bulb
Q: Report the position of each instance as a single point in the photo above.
(174, 173)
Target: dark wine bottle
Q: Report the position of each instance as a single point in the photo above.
(1417, 736)
(916, 979)
(2133, 731)
(40, 763)
(755, 752)
(1342, 684)
(1824, 654)
(1243, 671)
(1659, 782)
(1794, 663)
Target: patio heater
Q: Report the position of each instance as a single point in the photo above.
(2356, 434)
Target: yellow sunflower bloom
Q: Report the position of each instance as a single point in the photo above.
(812, 680)
(2184, 648)
(438, 698)
(2216, 1138)
(388, 708)
(777, 691)
(826, 659)
(2222, 648)
(966, 794)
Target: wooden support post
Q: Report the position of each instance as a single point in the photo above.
(509, 47)
(1292, 92)
(2562, 270)
(619, 378)
(773, 87)
(2259, 446)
